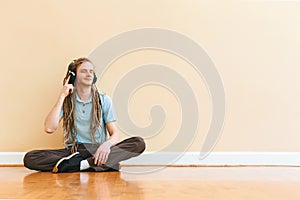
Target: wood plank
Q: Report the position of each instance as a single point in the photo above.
(216, 183)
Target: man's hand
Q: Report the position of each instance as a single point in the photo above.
(102, 153)
(67, 89)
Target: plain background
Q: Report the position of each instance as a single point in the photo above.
(255, 46)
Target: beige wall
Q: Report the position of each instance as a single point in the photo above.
(254, 44)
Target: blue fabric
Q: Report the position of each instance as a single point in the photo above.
(83, 117)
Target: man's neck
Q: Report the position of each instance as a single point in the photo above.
(84, 93)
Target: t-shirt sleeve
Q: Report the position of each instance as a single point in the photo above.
(61, 113)
(108, 110)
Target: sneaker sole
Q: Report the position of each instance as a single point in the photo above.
(55, 168)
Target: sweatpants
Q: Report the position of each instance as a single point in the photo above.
(45, 160)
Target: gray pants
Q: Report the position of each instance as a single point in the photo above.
(45, 160)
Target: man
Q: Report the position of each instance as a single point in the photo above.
(87, 116)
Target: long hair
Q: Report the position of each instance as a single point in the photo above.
(69, 111)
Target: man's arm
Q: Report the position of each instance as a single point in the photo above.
(113, 132)
(52, 120)
(103, 151)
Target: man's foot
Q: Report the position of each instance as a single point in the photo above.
(70, 163)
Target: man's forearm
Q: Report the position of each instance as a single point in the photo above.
(114, 138)
(52, 120)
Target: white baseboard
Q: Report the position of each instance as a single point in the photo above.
(218, 159)
(11, 158)
(192, 158)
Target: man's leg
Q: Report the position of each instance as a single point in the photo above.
(63, 161)
(44, 160)
(124, 150)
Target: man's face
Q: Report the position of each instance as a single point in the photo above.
(85, 74)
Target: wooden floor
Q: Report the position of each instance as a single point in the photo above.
(184, 183)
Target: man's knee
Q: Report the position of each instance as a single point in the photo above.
(140, 144)
(29, 160)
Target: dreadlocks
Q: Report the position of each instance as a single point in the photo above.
(69, 113)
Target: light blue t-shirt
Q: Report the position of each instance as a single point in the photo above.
(83, 117)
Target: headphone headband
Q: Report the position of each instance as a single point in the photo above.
(71, 65)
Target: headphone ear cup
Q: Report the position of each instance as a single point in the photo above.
(95, 79)
(72, 77)
(72, 74)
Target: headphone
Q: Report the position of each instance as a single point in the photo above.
(72, 74)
